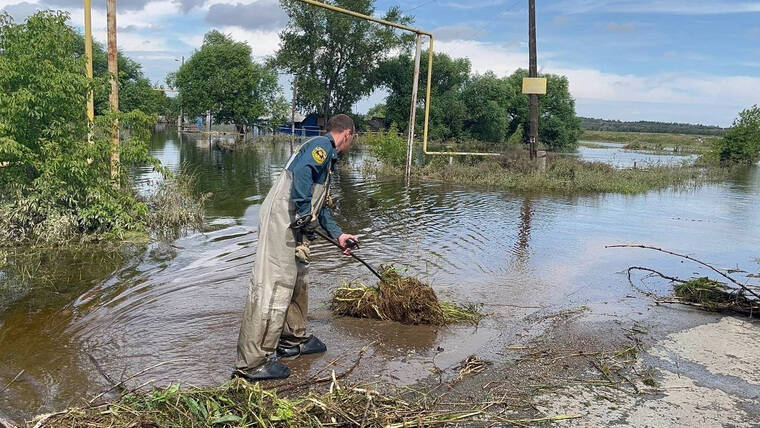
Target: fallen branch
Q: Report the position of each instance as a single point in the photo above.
(687, 257)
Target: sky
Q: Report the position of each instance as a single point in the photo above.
(695, 61)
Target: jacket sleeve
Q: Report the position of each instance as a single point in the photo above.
(328, 223)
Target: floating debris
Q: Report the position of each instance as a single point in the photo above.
(400, 298)
(472, 365)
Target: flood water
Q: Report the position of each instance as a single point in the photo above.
(175, 307)
(614, 154)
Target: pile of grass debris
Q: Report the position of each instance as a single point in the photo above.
(715, 296)
(400, 298)
(238, 403)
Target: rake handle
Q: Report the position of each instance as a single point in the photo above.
(332, 241)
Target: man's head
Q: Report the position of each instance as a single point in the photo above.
(342, 129)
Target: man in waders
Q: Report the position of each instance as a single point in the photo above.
(274, 321)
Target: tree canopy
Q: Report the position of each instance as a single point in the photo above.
(53, 181)
(336, 57)
(481, 106)
(135, 90)
(222, 77)
(448, 78)
(741, 143)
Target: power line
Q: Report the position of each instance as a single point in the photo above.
(420, 5)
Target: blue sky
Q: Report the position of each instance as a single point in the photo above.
(675, 60)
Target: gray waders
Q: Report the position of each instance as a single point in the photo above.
(275, 311)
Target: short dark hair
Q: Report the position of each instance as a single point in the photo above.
(339, 123)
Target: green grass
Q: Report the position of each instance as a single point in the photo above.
(682, 143)
(565, 175)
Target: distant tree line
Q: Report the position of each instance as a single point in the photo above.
(649, 126)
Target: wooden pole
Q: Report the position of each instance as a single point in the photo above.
(533, 72)
(293, 114)
(113, 69)
(413, 109)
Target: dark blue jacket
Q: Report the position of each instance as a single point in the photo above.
(311, 165)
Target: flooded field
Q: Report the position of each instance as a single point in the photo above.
(176, 307)
(614, 154)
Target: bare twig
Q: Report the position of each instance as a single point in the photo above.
(669, 278)
(12, 380)
(333, 376)
(714, 269)
(134, 376)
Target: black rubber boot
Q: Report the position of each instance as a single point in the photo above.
(272, 369)
(311, 346)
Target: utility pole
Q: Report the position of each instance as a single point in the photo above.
(88, 53)
(413, 109)
(293, 114)
(113, 69)
(533, 72)
(181, 117)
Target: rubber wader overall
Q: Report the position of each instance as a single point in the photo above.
(277, 304)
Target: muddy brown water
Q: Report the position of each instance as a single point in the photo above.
(178, 304)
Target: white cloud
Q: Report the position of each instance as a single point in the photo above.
(485, 56)
(263, 43)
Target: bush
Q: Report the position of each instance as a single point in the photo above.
(388, 146)
(741, 143)
(55, 182)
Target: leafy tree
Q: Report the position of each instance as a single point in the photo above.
(741, 143)
(336, 57)
(378, 110)
(485, 99)
(447, 111)
(558, 126)
(54, 184)
(222, 78)
(135, 90)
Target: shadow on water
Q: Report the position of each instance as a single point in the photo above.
(180, 303)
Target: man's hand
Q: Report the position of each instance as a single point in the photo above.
(345, 237)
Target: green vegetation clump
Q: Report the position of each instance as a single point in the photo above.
(174, 207)
(388, 146)
(741, 144)
(400, 298)
(715, 296)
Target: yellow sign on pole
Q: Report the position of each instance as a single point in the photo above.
(534, 85)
